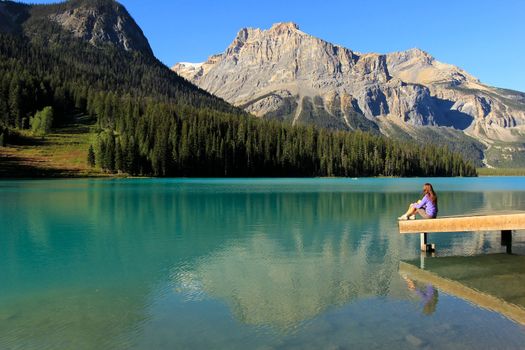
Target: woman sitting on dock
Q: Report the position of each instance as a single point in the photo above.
(427, 207)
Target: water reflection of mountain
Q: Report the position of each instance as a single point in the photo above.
(265, 284)
(102, 248)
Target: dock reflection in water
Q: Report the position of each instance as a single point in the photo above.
(491, 281)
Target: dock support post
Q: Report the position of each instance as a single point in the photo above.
(506, 240)
(423, 241)
(425, 246)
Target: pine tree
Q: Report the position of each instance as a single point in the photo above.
(15, 103)
(109, 155)
(91, 157)
(119, 164)
(4, 111)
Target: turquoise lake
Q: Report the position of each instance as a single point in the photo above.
(237, 264)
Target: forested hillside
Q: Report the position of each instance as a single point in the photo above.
(149, 121)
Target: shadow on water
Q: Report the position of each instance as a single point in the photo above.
(152, 264)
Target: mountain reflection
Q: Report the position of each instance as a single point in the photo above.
(265, 284)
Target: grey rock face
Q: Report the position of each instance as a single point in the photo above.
(287, 74)
(100, 22)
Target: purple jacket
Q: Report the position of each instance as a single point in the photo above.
(430, 208)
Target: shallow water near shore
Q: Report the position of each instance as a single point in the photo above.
(237, 264)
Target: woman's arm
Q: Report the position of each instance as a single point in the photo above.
(421, 203)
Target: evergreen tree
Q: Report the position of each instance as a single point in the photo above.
(4, 111)
(119, 163)
(15, 103)
(91, 156)
(109, 154)
(42, 121)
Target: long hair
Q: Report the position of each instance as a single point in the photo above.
(428, 189)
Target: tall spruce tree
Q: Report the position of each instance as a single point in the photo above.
(91, 156)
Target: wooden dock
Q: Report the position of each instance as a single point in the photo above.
(504, 223)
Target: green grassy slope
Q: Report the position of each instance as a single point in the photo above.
(62, 153)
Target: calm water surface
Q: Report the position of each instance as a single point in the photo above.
(236, 264)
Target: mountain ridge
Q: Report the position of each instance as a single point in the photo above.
(147, 120)
(98, 22)
(287, 74)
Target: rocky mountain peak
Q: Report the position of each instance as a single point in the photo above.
(285, 58)
(284, 27)
(416, 54)
(98, 22)
(101, 22)
(240, 40)
(419, 67)
(286, 74)
(254, 35)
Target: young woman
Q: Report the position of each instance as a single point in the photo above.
(427, 207)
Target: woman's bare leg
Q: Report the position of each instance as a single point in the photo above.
(410, 211)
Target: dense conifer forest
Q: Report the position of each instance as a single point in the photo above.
(149, 121)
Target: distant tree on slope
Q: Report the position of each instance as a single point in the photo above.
(42, 121)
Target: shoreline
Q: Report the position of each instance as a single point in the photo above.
(121, 176)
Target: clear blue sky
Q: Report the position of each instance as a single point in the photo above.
(486, 38)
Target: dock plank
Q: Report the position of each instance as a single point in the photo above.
(466, 223)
